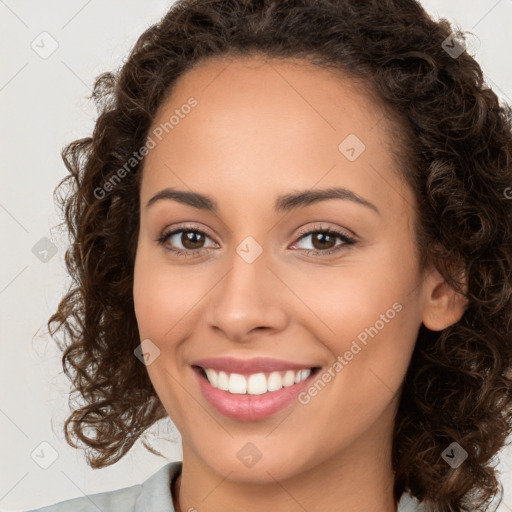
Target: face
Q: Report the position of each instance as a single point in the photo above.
(252, 282)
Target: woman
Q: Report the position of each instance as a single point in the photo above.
(292, 236)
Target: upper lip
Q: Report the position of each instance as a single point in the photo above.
(248, 366)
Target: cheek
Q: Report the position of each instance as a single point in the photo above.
(162, 300)
(374, 320)
(343, 301)
(367, 312)
(164, 296)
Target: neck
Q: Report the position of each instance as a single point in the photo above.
(357, 479)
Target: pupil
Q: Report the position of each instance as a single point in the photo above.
(322, 238)
(191, 239)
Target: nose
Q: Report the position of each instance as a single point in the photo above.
(247, 301)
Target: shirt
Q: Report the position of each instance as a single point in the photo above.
(154, 495)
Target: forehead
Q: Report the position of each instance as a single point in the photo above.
(256, 91)
(265, 124)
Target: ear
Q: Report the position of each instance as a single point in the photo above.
(442, 305)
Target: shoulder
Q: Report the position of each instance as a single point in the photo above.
(409, 503)
(153, 494)
(120, 500)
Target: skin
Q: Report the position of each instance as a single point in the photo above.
(263, 128)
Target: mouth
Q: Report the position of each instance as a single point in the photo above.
(259, 383)
(250, 397)
(252, 389)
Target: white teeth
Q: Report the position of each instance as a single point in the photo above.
(237, 384)
(213, 376)
(256, 383)
(274, 381)
(289, 378)
(222, 381)
(304, 374)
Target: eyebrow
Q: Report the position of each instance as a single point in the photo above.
(284, 203)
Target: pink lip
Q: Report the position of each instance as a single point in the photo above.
(248, 366)
(250, 407)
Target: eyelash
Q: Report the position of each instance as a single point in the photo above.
(346, 239)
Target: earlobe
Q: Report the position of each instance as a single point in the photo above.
(443, 306)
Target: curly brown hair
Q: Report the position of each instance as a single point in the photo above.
(456, 155)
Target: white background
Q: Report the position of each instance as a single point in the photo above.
(43, 106)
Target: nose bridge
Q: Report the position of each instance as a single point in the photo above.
(247, 297)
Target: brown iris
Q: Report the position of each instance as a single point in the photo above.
(192, 239)
(322, 239)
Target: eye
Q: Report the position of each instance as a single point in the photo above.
(191, 239)
(324, 240)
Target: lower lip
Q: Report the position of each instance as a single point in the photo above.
(250, 407)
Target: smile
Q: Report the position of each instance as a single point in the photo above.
(256, 383)
(251, 390)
